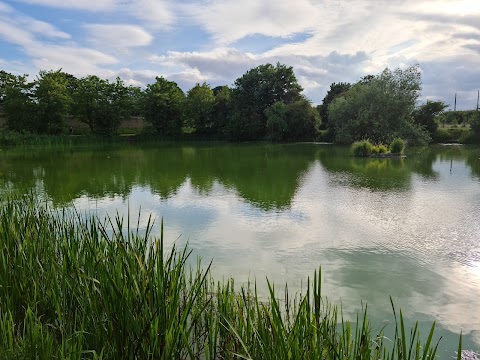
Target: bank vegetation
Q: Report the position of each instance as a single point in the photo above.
(78, 287)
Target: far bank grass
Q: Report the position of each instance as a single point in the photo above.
(70, 288)
(15, 139)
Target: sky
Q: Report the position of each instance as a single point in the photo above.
(217, 41)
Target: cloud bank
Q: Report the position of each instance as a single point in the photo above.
(218, 40)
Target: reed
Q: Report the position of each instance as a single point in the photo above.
(71, 289)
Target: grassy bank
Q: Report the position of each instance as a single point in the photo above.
(77, 287)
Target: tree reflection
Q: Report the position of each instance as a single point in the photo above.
(266, 175)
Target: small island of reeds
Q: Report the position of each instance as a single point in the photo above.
(365, 148)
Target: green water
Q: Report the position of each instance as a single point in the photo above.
(408, 227)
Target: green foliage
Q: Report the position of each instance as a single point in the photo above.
(379, 109)
(397, 146)
(382, 149)
(17, 102)
(199, 106)
(258, 89)
(456, 117)
(69, 289)
(221, 108)
(53, 100)
(336, 90)
(475, 123)
(101, 104)
(425, 115)
(292, 122)
(163, 106)
(276, 121)
(450, 134)
(362, 148)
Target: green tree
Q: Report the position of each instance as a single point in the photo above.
(475, 123)
(336, 89)
(277, 127)
(293, 122)
(199, 108)
(302, 120)
(17, 102)
(135, 97)
(254, 92)
(222, 108)
(163, 106)
(53, 100)
(7, 80)
(425, 115)
(380, 109)
(101, 104)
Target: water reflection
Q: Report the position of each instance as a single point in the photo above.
(266, 176)
(402, 227)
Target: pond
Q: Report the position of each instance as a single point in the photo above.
(406, 228)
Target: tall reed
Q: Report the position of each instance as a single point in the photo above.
(71, 289)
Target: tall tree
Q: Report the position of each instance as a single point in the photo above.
(336, 89)
(293, 122)
(221, 108)
(199, 108)
(17, 102)
(254, 92)
(380, 109)
(53, 101)
(101, 104)
(163, 106)
(425, 115)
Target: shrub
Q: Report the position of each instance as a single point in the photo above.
(397, 146)
(475, 124)
(362, 148)
(382, 149)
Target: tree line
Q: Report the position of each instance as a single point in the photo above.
(265, 103)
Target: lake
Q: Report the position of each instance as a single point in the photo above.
(407, 228)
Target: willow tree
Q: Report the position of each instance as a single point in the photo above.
(380, 109)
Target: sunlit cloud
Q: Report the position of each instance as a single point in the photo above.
(117, 35)
(216, 41)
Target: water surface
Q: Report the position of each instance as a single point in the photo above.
(408, 228)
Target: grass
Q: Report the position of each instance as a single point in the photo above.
(362, 148)
(70, 288)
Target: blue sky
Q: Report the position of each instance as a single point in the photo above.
(216, 41)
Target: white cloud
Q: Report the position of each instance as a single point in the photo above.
(89, 5)
(117, 35)
(223, 66)
(20, 30)
(75, 60)
(325, 41)
(157, 14)
(4, 8)
(14, 34)
(41, 28)
(232, 20)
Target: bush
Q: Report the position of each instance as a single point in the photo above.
(397, 146)
(475, 124)
(362, 148)
(450, 134)
(382, 149)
